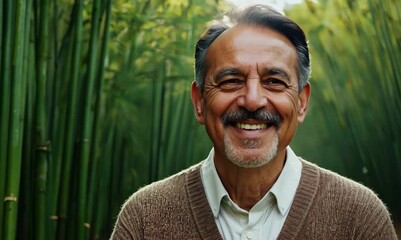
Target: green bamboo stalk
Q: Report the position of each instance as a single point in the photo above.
(42, 143)
(5, 82)
(58, 79)
(58, 153)
(164, 130)
(117, 167)
(101, 218)
(16, 124)
(71, 127)
(24, 213)
(176, 123)
(63, 123)
(186, 113)
(82, 220)
(158, 91)
(98, 122)
(25, 229)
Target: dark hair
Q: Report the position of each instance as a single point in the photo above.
(257, 15)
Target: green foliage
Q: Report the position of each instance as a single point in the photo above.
(95, 105)
(152, 50)
(354, 122)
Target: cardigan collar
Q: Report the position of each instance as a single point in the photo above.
(203, 214)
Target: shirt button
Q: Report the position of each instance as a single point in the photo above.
(249, 235)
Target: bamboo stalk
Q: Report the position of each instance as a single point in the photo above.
(101, 218)
(58, 82)
(24, 213)
(158, 96)
(116, 168)
(26, 192)
(186, 113)
(57, 165)
(5, 82)
(70, 130)
(16, 124)
(176, 122)
(98, 122)
(88, 114)
(42, 143)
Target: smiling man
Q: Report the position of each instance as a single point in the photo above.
(251, 92)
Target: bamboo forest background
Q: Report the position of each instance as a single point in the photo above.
(95, 103)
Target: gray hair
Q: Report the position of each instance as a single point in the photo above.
(256, 15)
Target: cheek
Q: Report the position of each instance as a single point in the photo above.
(293, 100)
(286, 104)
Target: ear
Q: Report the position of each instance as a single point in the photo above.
(303, 102)
(197, 101)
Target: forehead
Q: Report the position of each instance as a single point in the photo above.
(247, 46)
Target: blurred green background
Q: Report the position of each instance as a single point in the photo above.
(95, 103)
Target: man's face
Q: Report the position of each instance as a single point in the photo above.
(251, 106)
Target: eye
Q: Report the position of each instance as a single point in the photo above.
(275, 84)
(231, 84)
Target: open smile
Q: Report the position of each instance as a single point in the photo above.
(251, 129)
(248, 126)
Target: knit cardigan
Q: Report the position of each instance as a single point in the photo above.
(326, 206)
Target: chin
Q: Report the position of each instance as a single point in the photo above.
(250, 155)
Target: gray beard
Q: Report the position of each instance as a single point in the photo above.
(236, 156)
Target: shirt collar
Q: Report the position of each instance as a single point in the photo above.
(287, 183)
(283, 189)
(214, 188)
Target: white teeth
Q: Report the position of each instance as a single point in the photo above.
(251, 126)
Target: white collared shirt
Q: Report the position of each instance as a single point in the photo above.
(266, 218)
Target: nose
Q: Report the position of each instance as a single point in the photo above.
(253, 96)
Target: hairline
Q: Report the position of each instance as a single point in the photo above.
(303, 72)
(257, 25)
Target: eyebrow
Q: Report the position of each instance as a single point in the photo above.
(277, 71)
(225, 72)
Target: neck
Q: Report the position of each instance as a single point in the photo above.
(247, 186)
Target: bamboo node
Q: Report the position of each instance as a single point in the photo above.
(45, 147)
(54, 218)
(10, 199)
(87, 225)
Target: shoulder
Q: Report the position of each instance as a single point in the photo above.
(346, 204)
(154, 210)
(335, 183)
(341, 187)
(165, 189)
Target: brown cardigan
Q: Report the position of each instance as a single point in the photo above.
(326, 206)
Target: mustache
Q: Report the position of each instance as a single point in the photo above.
(269, 116)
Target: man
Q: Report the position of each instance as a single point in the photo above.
(251, 92)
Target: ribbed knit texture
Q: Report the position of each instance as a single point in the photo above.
(326, 206)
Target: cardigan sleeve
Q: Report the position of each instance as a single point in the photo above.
(375, 221)
(129, 223)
